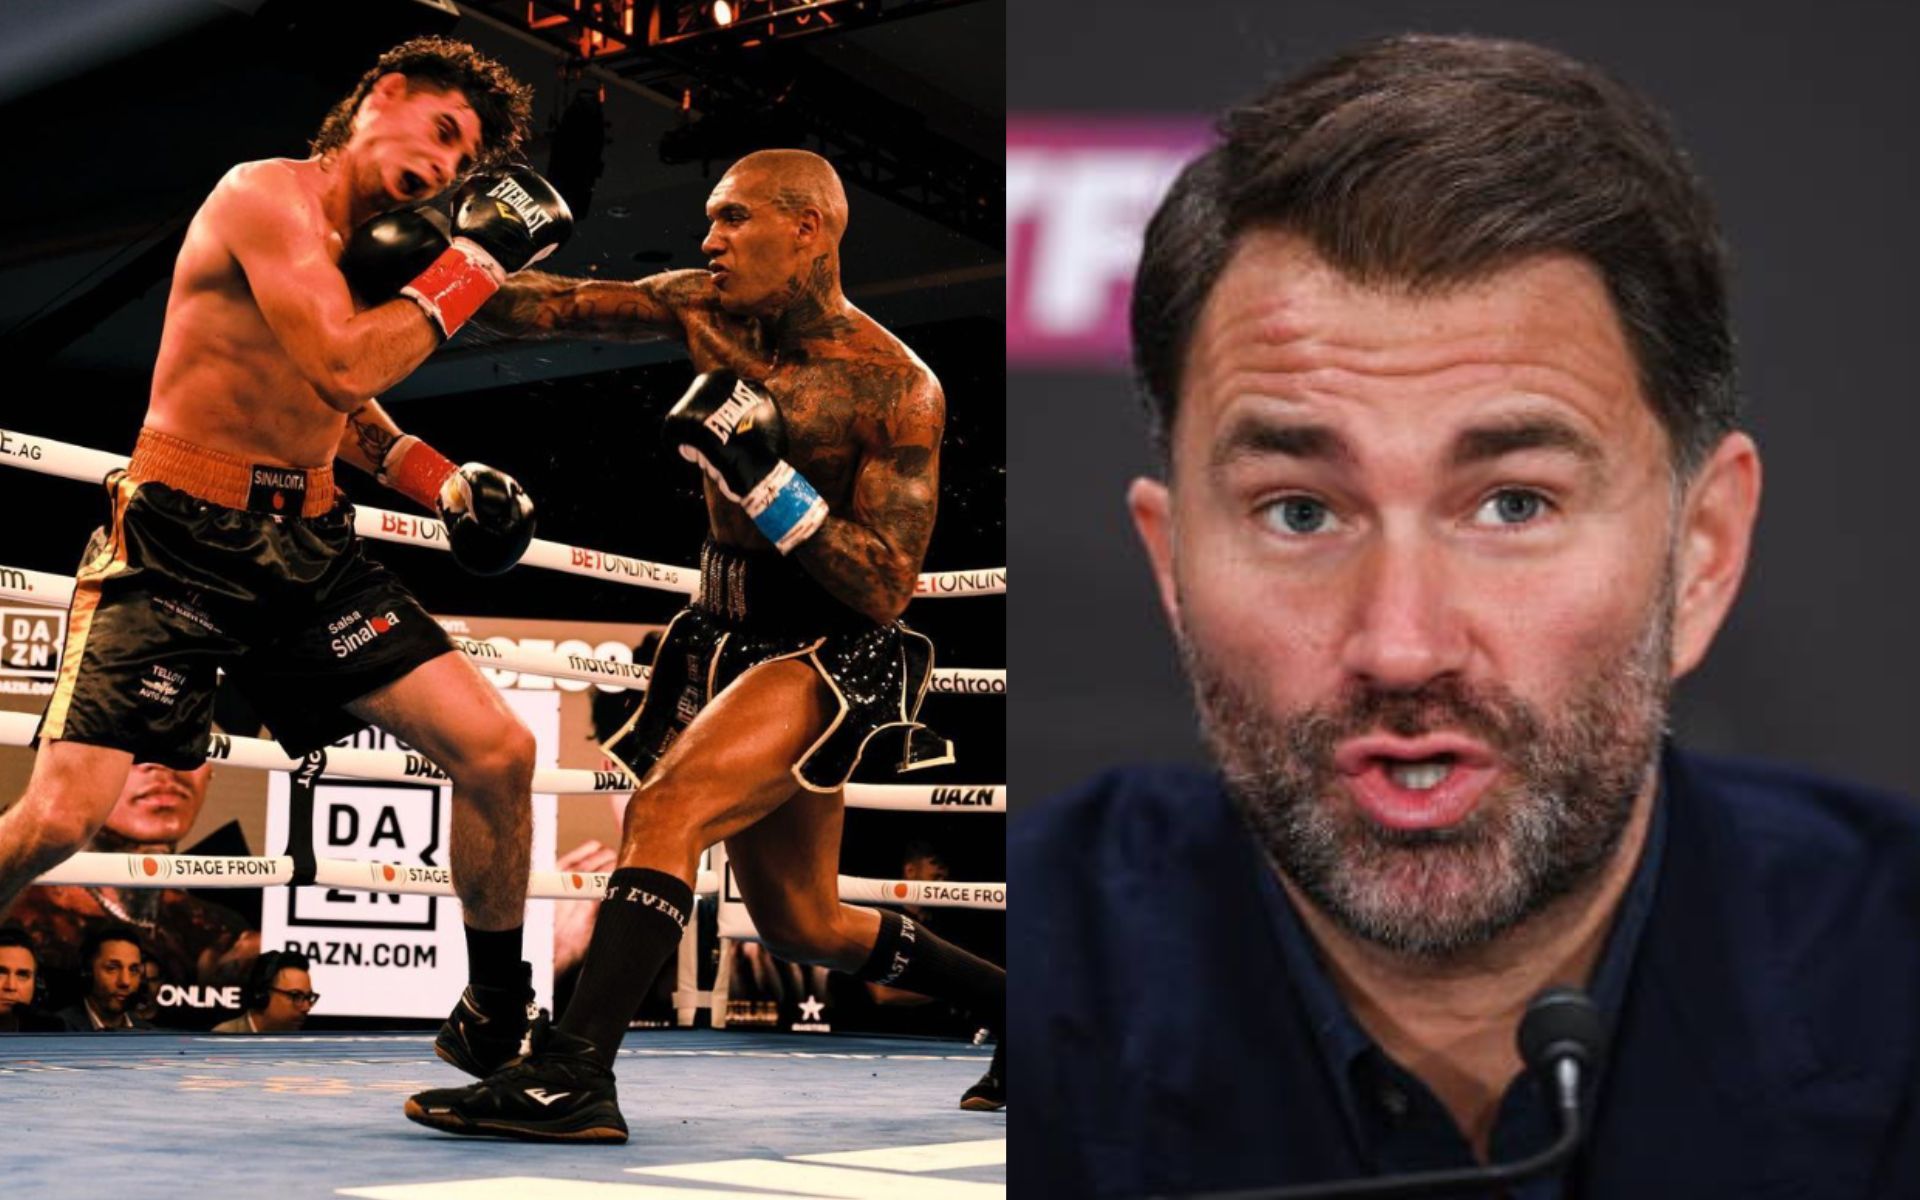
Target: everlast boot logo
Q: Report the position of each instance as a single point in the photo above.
(902, 951)
(516, 198)
(350, 636)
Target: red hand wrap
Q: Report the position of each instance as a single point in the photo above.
(455, 285)
(419, 474)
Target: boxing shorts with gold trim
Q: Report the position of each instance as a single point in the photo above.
(209, 562)
(756, 607)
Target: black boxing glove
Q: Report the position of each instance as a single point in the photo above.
(735, 433)
(489, 519)
(502, 223)
(387, 252)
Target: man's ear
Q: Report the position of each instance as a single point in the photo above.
(806, 226)
(1716, 532)
(386, 90)
(1151, 504)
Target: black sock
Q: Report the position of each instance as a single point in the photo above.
(911, 957)
(638, 926)
(493, 959)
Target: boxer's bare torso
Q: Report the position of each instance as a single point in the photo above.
(223, 378)
(863, 414)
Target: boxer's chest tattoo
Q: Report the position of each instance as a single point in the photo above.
(837, 396)
(821, 438)
(836, 409)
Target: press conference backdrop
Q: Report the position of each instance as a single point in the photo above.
(1802, 118)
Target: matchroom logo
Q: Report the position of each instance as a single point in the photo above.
(1080, 190)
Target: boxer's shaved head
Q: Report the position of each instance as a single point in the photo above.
(773, 242)
(794, 181)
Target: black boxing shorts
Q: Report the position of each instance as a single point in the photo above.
(757, 607)
(210, 563)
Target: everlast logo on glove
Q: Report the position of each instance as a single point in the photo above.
(277, 491)
(522, 203)
(731, 417)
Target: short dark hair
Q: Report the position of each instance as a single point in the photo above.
(1426, 162)
(15, 936)
(265, 970)
(503, 104)
(100, 935)
(270, 964)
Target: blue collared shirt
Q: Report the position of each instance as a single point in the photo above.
(1175, 1031)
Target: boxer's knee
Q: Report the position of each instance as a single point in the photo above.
(668, 808)
(659, 818)
(498, 761)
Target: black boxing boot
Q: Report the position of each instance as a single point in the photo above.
(989, 1094)
(909, 956)
(562, 1094)
(493, 1027)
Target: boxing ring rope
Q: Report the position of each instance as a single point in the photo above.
(45, 588)
(48, 457)
(89, 868)
(395, 766)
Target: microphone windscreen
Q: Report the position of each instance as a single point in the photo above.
(1561, 1023)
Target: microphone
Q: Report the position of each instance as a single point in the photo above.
(1561, 1038)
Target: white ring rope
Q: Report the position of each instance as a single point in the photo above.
(68, 461)
(42, 587)
(395, 766)
(94, 869)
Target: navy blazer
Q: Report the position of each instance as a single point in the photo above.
(1766, 1044)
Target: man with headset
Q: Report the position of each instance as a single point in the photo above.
(277, 996)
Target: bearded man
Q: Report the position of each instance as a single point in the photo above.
(1436, 342)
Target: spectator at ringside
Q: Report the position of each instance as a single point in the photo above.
(114, 965)
(21, 986)
(278, 995)
(188, 940)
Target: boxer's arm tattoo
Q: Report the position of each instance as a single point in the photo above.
(369, 435)
(870, 559)
(535, 305)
